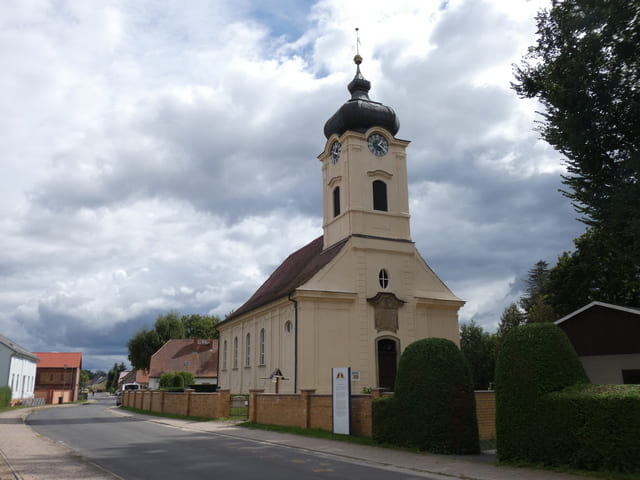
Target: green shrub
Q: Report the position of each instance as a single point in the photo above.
(434, 402)
(187, 377)
(384, 426)
(177, 381)
(5, 397)
(534, 360)
(593, 427)
(166, 379)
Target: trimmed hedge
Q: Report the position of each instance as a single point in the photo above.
(176, 379)
(594, 427)
(383, 428)
(5, 397)
(534, 360)
(434, 403)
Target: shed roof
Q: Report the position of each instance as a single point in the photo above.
(59, 359)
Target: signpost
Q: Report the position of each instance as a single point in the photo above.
(341, 390)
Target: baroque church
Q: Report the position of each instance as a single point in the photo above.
(359, 294)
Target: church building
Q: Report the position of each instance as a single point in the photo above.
(359, 294)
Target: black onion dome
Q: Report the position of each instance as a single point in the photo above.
(360, 113)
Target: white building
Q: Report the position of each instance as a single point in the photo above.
(17, 369)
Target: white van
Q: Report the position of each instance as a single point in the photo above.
(126, 386)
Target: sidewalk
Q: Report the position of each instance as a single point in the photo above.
(30, 456)
(25, 455)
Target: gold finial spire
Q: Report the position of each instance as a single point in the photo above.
(357, 59)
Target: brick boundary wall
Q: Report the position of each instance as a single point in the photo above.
(308, 410)
(304, 410)
(189, 403)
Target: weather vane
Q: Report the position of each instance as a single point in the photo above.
(357, 59)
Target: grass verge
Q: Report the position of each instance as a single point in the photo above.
(166, 415)
(312, 432)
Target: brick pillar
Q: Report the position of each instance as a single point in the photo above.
(306, 405)
(253, 406)
(162, 401)
(188, 399)
(376, 393)
(223, 404)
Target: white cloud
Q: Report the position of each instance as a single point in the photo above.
(162, 157)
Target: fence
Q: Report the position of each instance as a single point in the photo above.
(305, 410)
(189, 403)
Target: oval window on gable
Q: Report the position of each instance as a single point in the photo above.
(383, 278)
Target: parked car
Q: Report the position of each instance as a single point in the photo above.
(126, 386)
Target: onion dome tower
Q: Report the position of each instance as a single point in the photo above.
(364, 170)
(360, 112)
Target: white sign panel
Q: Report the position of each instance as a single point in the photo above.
(341, 387)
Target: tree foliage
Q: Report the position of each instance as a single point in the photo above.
(511, 317)
(114, 375)
(200, 326)
(585, 70)
(142, 346)
(594, 271)
(479, 347)
(145, 342)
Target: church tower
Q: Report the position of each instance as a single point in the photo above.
(364, 170)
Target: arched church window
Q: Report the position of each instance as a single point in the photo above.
(383, 278)
(248, 351)
(262, 346)
(288, 327)
(235, 352)
(224, 355)
(379, 195)
(336, 201)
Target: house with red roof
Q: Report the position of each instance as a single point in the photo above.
(58, 376)
(197, 356)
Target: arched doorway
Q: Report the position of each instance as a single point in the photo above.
(387, 363)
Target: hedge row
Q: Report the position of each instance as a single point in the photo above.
(534, 360)
(5, 397)
(547, 412)
(594, 427)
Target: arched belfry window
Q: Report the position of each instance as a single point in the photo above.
(336, 201)
(379, 195)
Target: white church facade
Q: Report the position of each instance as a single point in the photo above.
(359, 294)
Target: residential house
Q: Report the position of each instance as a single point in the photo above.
(200, 357)
(58, 376)
(607, 340)
(356, 296)
(17, 369)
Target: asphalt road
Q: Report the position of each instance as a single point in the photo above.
(133, 448)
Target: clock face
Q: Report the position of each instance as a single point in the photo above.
(336, 148)
(378, 145)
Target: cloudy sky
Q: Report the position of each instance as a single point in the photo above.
(161, 155)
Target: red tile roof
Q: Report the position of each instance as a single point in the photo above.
(199, 357)
(59, 359)
(297, 269)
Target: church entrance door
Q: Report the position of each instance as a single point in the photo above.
(387, 363)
